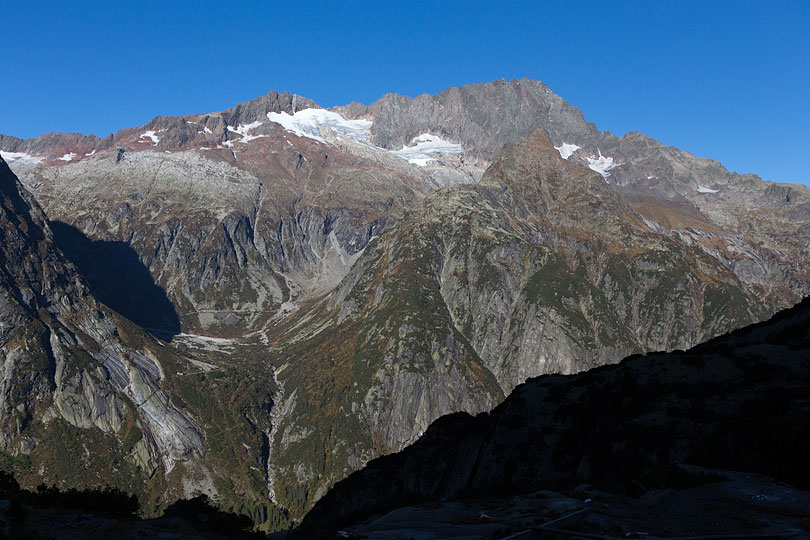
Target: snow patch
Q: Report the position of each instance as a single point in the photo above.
(207, 130)
(702, 189)
(150, 135)
(244, 129)
(426, 148)
(67, 157)
(20, 157)
(91, 153)
(207, 339)
(314, 123)
(602, 164)
(203, 342)
(566, 149)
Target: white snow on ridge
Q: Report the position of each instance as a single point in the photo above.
(20, 157)
(197, 337)
(702, 189)
(244, 129)
(91, 153)
(427, 148)
(602, 164)
(203, 342)
(566, 149)
(313, 123)
(150, 135)
(318, 123)
(67, 157)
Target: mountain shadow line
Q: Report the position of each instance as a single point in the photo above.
(119, 279)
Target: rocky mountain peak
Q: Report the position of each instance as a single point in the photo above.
(531, 174)
(257, 109)
(481, 117)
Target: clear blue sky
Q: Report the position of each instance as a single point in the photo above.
(728, 80)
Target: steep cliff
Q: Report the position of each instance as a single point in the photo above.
(88, 399)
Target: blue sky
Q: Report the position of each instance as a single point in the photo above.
(727, 80)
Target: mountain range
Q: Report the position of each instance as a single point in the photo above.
(252, 304)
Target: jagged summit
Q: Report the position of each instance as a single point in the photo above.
(532, 174)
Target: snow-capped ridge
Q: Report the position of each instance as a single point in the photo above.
(703, 189)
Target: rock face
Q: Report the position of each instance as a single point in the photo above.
(740, 402)
(68, 370)
(481, 117)
(321, 300)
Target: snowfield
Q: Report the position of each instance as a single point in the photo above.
(427, 147)
(20, 157)
(566, 149)
(313, 123)
(150, 135)
(244, 129)
(317, 123)
(602, 164)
